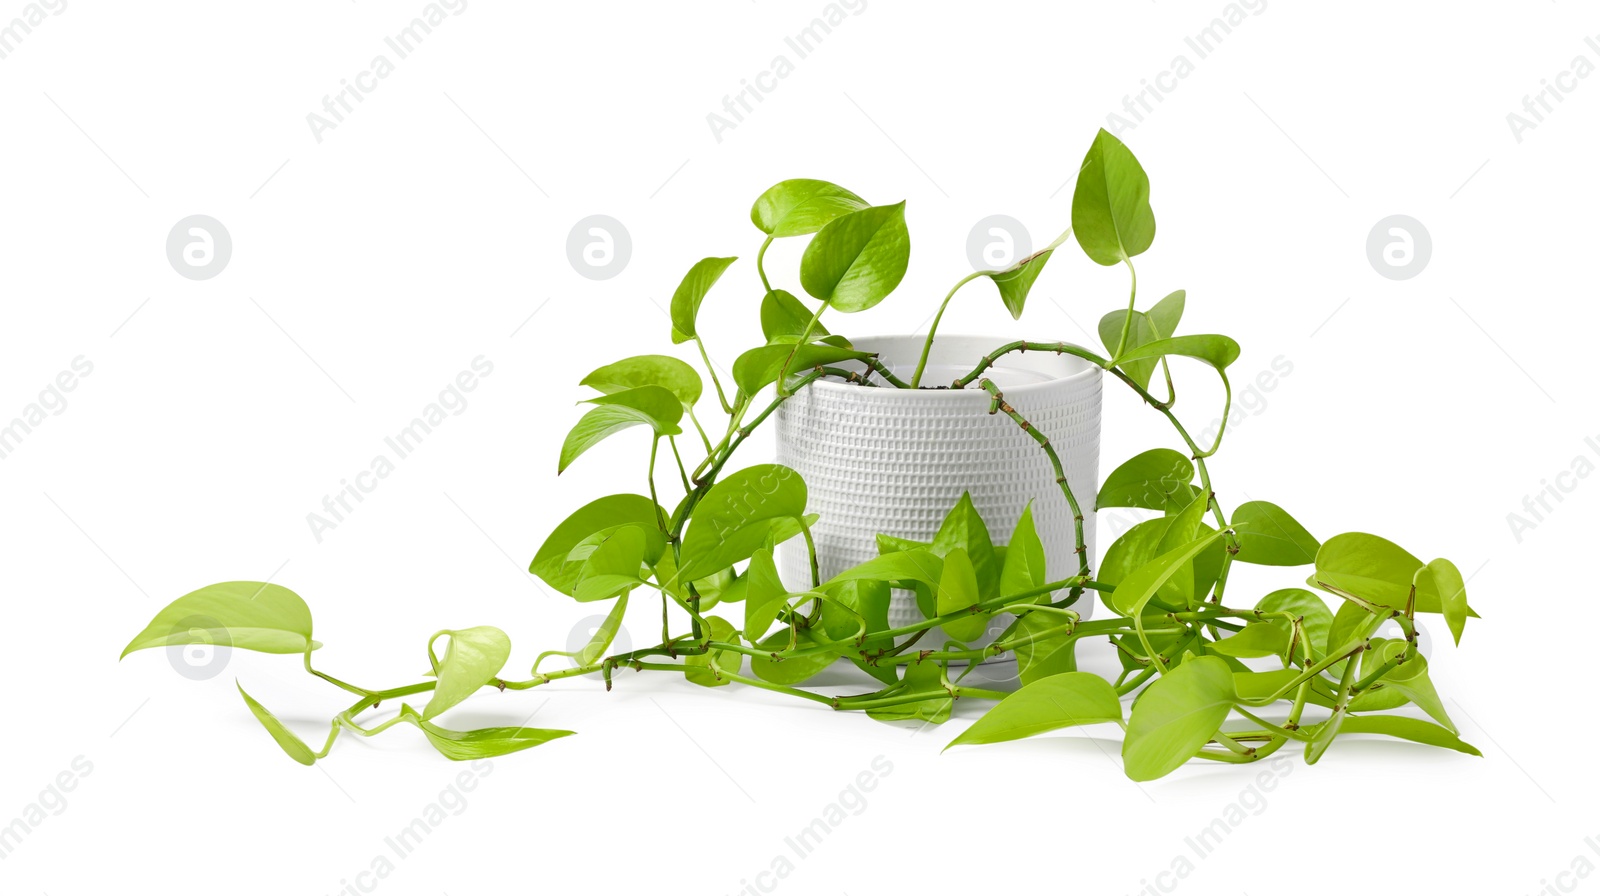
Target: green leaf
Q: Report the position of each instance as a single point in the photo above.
(1350, 623)
(600, 640)
(1257, 639)
(1151, 480)
(483, 743)
(1370, 568)
(1410, 678)
(1015, 282)
(794, 669)
(1111, 214)
(1182, 528)
(1440, 583)
(1409, 729)
(650, 406)
(765, 595)
(1217, 351)
(691, 292)
(1315, 617)
(288, 740)
(1060, 701)
(921, 566)
(1160, 322)
(254, 615)
(924, 677)
(1136, 590)
(735, 517)
(963, 528)
(560, 559)
(1024, 567)
(665, 371)
(784, 318)
(800, 206)
(473, 658)
(1269, 536)
(614, 567)
(1175, 716)
(760, 367)
(958, 590)
(857, 259)
(697, 667)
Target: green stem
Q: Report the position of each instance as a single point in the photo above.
(760, 266)
(927, 345)
(998, 403)
(1127, 320)
(805, 337)
(712, 370)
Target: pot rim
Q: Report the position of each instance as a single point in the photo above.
(1088, 370)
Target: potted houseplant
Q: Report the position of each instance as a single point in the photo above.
(977, 555)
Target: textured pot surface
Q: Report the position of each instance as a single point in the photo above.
(895, 461)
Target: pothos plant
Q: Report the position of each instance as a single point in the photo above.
(1180, 634)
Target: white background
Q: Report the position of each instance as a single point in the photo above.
(371, 267)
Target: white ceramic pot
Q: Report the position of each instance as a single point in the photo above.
(895, 461)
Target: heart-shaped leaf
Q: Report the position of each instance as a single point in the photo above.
(958, 590)
(560, 559)
(697, 667)
(1269, 536)
(483, 743)
(1160, 322)
(1153, 480)
(735, 517)
(1257, 639)
(1049, 704)
(1135, 591)
(857, 259)
(602, 637)
(651, 406)
(800, 206)
(760, 367)
(1440, 583)
(1175, 716)
(665, 371)
(1111, 215)
(288, 740)
(252, 615)
(614, 567)
(1015, 282)
(1409, 729)
(1024, 566)
(765, 595)
(691, 292)
(1315, 617)
(784, 318)
(472, 659)
(1217, 351)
